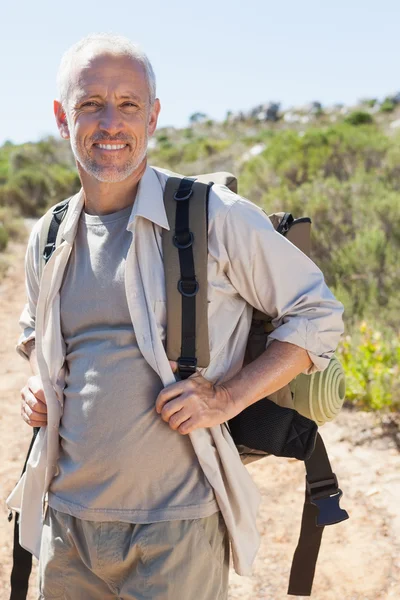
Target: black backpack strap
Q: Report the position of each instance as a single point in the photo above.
(185, 254)
(58, 215)
(22, 559)
(187, 284)
(321, 508)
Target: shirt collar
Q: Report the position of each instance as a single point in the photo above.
(149, 204)
(72, 219)
(149, 201)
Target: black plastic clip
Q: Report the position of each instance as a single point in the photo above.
(326, 495)
(48, 251)
(187, 366)
(285, 224)
(60, 211)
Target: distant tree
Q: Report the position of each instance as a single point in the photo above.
(359, 117)
(369, 102)
(197, 117)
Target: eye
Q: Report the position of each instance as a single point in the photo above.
(129, 104)
(90, 104)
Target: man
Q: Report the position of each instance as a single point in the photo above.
(134, 487)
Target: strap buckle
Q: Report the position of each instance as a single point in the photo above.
(48, 251)
(60, 211)
(188, 288)
(183, 241)
(187, 366)
(326, 495)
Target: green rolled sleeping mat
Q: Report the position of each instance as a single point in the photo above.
(320, 396)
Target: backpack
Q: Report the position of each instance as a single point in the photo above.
(284, 424)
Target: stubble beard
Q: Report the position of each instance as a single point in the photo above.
(107, 174)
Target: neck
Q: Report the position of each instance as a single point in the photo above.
(104, 198)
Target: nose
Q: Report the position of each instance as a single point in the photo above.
(110, 120)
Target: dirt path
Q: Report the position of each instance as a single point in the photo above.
(359, 559)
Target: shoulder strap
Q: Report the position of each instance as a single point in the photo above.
(185, 255)
(51, 231)
(22, 559)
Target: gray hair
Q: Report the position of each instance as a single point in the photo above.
(103, 42)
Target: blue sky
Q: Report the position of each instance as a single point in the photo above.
(208, 55)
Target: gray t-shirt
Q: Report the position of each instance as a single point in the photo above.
(119, 461)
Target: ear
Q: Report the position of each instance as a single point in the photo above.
(153, 117)
(61, 119)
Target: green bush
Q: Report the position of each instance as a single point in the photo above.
(11, 195)
(387, 106)
(338, 151)
(162, 138)
(3, 237)
(13, 224)
(359, 118)
(63, 183)
(372, 365)
(369, 102)
(28, 190)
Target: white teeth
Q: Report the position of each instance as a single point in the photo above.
(111, 147)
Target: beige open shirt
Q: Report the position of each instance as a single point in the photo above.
(249, 265)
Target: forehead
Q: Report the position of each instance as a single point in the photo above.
(106, 72)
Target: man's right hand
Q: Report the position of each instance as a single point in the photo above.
(33, 405)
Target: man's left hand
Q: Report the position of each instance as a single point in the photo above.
(194, 403)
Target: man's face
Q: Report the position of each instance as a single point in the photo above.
(108, 116)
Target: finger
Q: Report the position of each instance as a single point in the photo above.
(36, 387)
(33, 402)
(34, 419)
(173, 365)
(171, 392)
(178, 418)
(187, 427)
(172, 407)
(32, 423)
(33, 415)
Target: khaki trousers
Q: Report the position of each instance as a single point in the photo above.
(172, 560)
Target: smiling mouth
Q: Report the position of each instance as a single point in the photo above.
(111, 147)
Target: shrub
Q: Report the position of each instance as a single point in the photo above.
(13, 224)
(338, 151)
(387, 105)
(369, 102)
(11, 195)
(30, 190)
(3, 237)
(63, 183)
(162, 138)
(372, 365)
(355, 240)
(359, 118)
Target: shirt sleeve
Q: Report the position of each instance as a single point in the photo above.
(275, 277)
(28, 315)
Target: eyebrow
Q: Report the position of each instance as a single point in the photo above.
(128, 96)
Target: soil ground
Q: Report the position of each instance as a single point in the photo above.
(359, 559)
